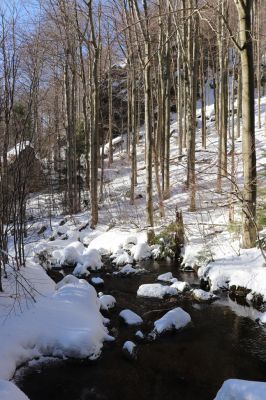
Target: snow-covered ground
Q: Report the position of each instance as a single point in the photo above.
(213, 247)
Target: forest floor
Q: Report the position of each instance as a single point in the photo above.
(37, 316)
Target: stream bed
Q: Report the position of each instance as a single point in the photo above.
(191, 364)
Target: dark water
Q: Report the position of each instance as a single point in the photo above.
(186, 365)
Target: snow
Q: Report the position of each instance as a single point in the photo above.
(9, 391)
(96, 280)
(129, 347)
(122, 259)
(263, 318)
(180, 286)
(156, 290)
(237, 389)
(173, 319)
(167, 277)
(67, 323)
(112, 241)
(245, 270)
(193, 256)
(139, 335)
(130, 318)
(14, 152)
(202, 295)
(107, 301)
(91, 258)
(71, 254)
(126, 270)
(80, 270)
(141, 251)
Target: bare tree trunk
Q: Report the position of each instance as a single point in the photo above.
(249, 234)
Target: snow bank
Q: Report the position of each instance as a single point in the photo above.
(107, 301)
(236, 389)
(130, 317)
(110, 242)
(173, 319)
(156, 290)
(247, 270)
(195, 256)
(65, 324)
(9, 391)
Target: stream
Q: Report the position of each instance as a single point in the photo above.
(221, 343)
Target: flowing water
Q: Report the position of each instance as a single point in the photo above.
(221, 343)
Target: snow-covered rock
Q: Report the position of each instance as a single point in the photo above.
(139, 335)
(237, 389)
(123, 259)
(180, 286)
(80, 271)
(107, 301)
(202, 295)
(130, 318)
(9, 391)
(67, 323)
(129, 350)
(96, 280)
(126, 270)
(167, 277)
(156, 290)
(69, 279)
(71, 254)
(173, 319)
(91, 259)
(141, 251)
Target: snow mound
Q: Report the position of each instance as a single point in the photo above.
(9, 391)
(91, 258)
(107, 301)
(141, 251)
(237, 389)
(139, 335)
(80, 270)
(180, 286)
(130, 318)
(202, 295)
(126, 270)
(69, 279)
(97, 280)
(67, 323)
(167, 277)
(130, 348)
(71, 254)
(122, 259)
(156, 290)
(173, 319)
